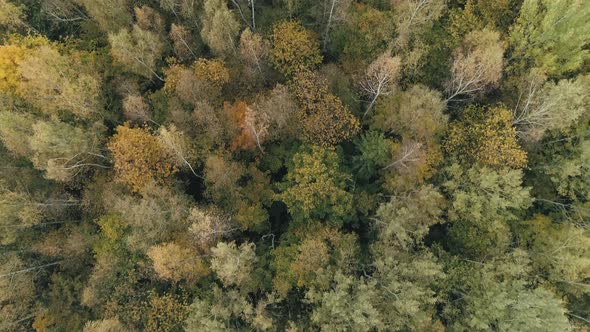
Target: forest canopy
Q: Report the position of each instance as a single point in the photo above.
(294, 165)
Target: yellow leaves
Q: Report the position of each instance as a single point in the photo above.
(324, 120)
(174, 262)
(486, 136)
(140, 158)
(212, 71)
(11, 55)
(294, 48)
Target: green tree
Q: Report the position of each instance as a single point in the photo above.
(316, 187)
(347, 306)
(497, 294)
(559, 252)
(416, 113)
(546, 106)
(374, 152)
(63, 151)
(110, 15)
(220, 27)
(551, 36)
(137, 50)
(481, 201)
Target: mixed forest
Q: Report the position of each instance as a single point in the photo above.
(294, 165)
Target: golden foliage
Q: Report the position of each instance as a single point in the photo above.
(294, 48)
(177, 263)
(324, 120)
(486, 136)
(212, 71)
(140, 158)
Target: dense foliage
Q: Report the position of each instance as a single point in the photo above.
(294, 165)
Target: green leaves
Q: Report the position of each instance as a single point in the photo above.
(316, 188)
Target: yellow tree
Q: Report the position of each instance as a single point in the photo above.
(324, 120)
(140, 158)
(486, 136)
(294, 48)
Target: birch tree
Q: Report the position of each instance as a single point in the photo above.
(477, 65)
(380, 78)
(220, 27)
(543, 106)
(413, 17)
(334, 12)
(138, 50)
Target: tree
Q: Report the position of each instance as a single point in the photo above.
(335, 11)
(148, 19)
(176, 262)
(477, 65)
(53, 82)
(17, 292)
(380, 79)
(316, 187)
(416, 114)
(375, 151)
(254, 50)
(481, 201)
(220, 27)
(186, 9)
(414, 17)
(15, 130)
(497, 294)
(498, 15)
(404, 222)
(137, 50)
(559, 252)
(104, 325)
(567, 170)
(224, 309)
(136, 109)
(324, 120)
(140, 158)
(366, 33)
(549, 106)
(110, 15)
(221, 179)
(11, 16)
(407, 292)
(312, 256)
(19, 211)
(159, 215)
(197, 85)
(551, 36)
(348, 306)
(183, 43)
(486, 136)
(233, 264)
(208, 227)
(63, 151)
(179, 146)
(294, 48)
(280, 108)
